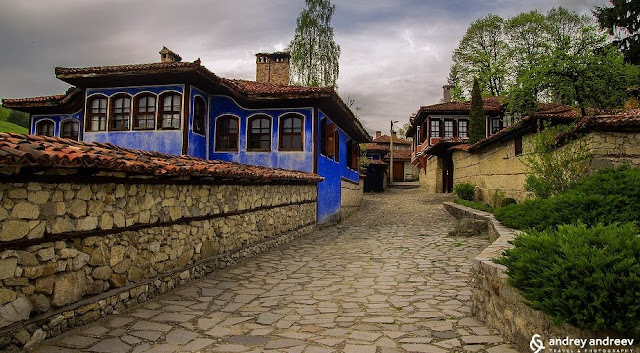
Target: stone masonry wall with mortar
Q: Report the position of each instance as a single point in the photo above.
(497, 168)
(498, 304)
(72, 252)
(350, 197)
(432, 176)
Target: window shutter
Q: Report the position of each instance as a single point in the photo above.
(330, 140)
(354, 155)
(357, 156)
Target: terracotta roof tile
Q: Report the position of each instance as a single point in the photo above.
(376, 147)
(491, 104)
(42, 100)
(28, 150)
(387, 139)
(253, 87)
(399, 155)
(376, 161)
(60, 71)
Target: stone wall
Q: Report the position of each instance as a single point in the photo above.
(431, 176)
(350, 197)
(496, 168)
(493, 169)
(73, 252)
(498, 304)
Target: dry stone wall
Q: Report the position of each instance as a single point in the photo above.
(72, 252)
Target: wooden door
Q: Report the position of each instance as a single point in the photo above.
(398, 171)
(447, 173)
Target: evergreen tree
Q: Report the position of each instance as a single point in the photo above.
(477, 119)
(314, 53)
(623, 22)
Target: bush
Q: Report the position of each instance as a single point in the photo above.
(474, 204)
(588, 277)
(608, 196)
(465, 191)
(508, 201)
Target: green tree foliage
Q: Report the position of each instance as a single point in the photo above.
(18, 118)
(483, 52)
(314, 53)
(588, 277)
(622, 20)
(402, 132)
(477, 119)
(465, 191)
(551, 170)
(558, 57)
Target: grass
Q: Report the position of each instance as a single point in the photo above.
(474, 204)
(9, 127)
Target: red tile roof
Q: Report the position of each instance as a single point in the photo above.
(376, 147)
(53, 100)
(28, 150)
(399, 155)
(387, 139)
(263, 88)
(491, 105)
(63, 71)
(376, 161)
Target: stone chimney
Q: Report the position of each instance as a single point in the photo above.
(378, 134)
(446, 93)
(394, 135)
(273, 68)
(168, 56)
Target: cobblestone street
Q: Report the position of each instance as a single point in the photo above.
(385, 280)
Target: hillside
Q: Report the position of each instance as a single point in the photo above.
(9, 127)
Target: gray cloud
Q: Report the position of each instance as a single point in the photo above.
(395, 54)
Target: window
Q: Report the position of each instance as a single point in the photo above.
(353, 154)
(518, 145)
(435, 128)
(323, 137)
(45, 128)
(69, 129)
(330, 140)
(227, 133)
(463, 129)
(496, 125)
(97, 114)
(120, 113)
(336, 140)
(448, 128)
(259, 138)
(199, 113)
(170, 111)
(144, 116)
(291, 133)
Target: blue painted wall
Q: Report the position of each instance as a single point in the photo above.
(165, 141)
(197, 143)
(57, 120)
(292, 160)
(329, 190)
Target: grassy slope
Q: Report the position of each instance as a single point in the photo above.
(9, 127)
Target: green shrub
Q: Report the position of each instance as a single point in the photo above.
(508, 201)
(606, 197)
(465, 191)
(474, 204)
(588, 277)
(498, 197)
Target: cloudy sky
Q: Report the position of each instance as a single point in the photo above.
(395, 53)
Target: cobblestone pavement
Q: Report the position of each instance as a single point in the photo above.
(385, 280)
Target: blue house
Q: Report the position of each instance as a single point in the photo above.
(182, 108)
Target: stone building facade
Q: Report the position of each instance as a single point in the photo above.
(87, 230)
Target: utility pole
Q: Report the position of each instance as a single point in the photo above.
(391, 153)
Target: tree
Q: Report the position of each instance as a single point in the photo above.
(314, 53)
(623, 22)
(18, 118)
(483, 52)
(402, 132)
(477, 119)
(552, 169)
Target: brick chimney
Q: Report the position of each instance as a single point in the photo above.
(168, 56)
(446, 93)
(378, 134)
(394, 135)
(273, 68)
